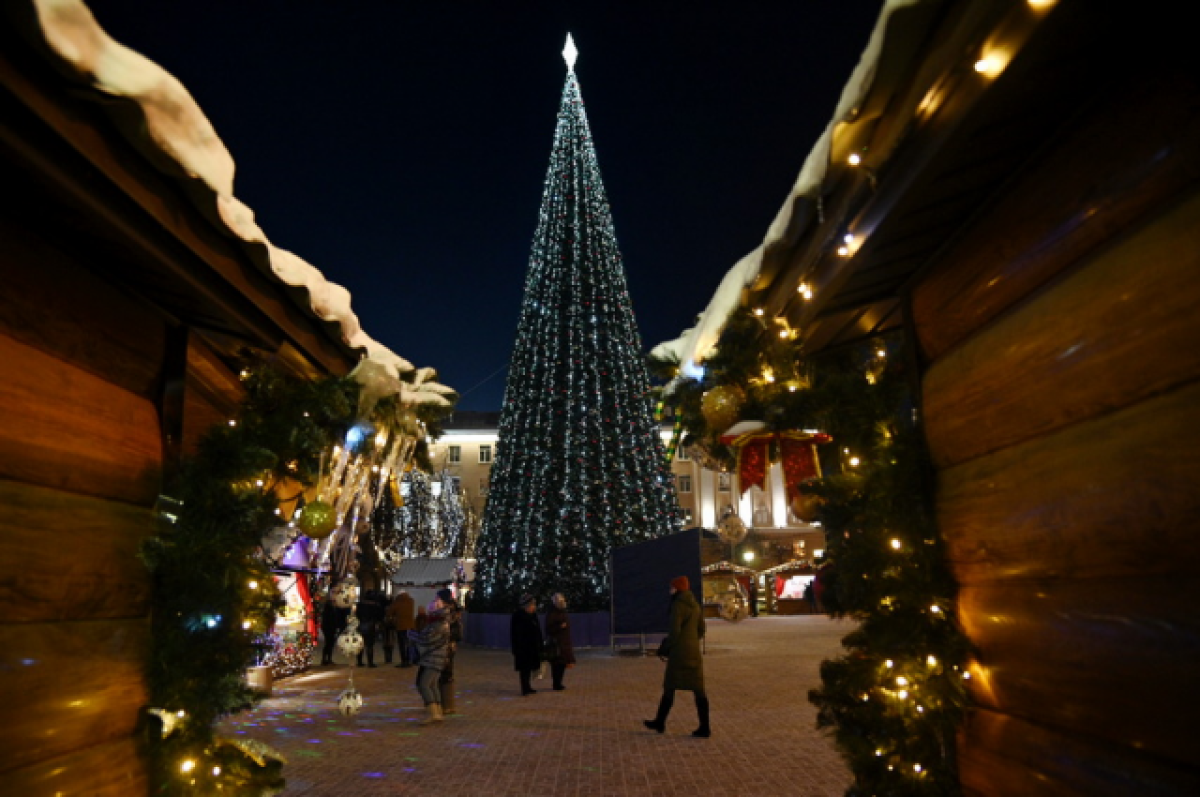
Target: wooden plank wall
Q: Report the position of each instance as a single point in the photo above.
(1062, 409)
(80, 458)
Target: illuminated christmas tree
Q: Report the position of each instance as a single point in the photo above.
(580, 466)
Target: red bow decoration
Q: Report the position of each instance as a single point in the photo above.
(797, 452)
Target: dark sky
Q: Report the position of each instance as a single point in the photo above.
(400, 146)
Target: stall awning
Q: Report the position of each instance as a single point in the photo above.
(794, 566)
(426, 571)
(727, 567)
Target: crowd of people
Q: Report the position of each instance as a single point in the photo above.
(428, 637)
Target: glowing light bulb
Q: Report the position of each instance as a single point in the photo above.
(253, 585)
(758, 311)
(931, 661)
(889, 663)
(895, 544)
(966, 676)
(916, 767)
(878, 752)
(881, 353)
(854, 159)
(216, 771)
(246, 625)
(233, 423)
(843, 251)
(854, 462)
(783, 333)
(901, 681)
(187, 766)
(935, 609)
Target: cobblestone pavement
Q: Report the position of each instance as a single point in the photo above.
(586, 740)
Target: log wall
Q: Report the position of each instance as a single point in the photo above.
(1061, 409)
(80, 469)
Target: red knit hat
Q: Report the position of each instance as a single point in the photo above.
(680, 583)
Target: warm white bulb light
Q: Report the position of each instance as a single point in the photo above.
(854, 159)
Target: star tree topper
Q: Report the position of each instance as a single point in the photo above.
(569, 53)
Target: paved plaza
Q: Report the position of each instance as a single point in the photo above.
(587, 740)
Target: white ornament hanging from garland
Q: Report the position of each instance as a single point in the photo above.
(350, 643)
(344, 594)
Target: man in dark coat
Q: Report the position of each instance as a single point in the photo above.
(370, 616)
(526, 639)
(681, 651)
(333, 620)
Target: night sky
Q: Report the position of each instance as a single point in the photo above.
(400, 146)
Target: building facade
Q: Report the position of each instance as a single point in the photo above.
(775, 535)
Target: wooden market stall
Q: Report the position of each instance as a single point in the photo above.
(785, 587)
(1014, 188)
(726, 588)
(132, 282)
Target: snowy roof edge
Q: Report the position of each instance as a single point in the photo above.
(694, 344)
(177, 129)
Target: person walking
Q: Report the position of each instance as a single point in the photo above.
(453, 613)
(431, 641)
(681, 651)
(402, 617)
(333, 620)
(559, 650)
(387, 631)
(370, 615)
(526, 641)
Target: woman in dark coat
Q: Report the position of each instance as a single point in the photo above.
(526, 642)
(558, 631)
(681, 651)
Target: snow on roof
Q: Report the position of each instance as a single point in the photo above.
(178, 138)
(425, 571)
(798, 212)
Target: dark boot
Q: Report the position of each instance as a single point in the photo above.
(703, 732)
(526, 687)
(659, 723)
(387, 655)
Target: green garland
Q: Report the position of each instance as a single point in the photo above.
(896, 699)
(213, 596)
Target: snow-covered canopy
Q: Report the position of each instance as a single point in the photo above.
(180, 141)
(799, 211)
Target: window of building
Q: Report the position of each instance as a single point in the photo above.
(687, 515)
(454, 454)
(685, 483)
(485, 453)
(724, 482)
(681, 455)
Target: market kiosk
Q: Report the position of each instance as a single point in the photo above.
(786, 585)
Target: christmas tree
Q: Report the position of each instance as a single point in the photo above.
(580, 466)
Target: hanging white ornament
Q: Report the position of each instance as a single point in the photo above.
(731, 530)
(350, 643)
(349, 702)
(344, 594)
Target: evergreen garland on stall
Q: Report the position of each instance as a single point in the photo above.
(213, 594)
(896, 698)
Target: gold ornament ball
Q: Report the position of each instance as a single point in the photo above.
(805, 507)
(317, 520)
(722, 406)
